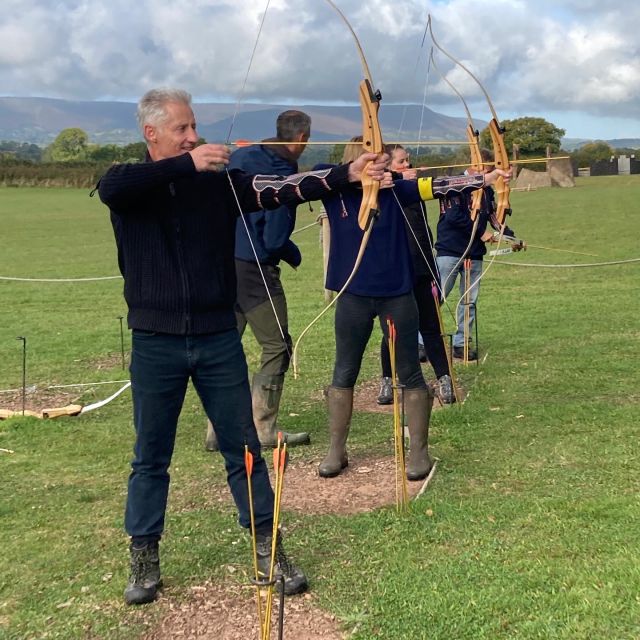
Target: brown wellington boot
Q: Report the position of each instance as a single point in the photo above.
(210, 440)
(418, 403)
(266, 392)
(340, 406)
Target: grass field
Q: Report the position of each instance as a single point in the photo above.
(530, 529)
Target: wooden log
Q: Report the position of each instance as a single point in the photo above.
(69, 410)
(6, 413)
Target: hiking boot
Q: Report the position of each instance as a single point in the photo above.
(144, 580)
(422, 353)
(445, 390)
(458, 352)
(386, 391)
(294, 580)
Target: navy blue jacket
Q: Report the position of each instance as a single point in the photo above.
(455, 225)
(270, 230)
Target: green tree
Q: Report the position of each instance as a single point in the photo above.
(104, 153)
(592, 152)
(71, 144)
(10, 150)
(532, 135)
(136, 151)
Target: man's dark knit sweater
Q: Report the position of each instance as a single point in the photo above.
(175, 234)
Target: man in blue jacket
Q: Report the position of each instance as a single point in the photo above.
(263, 240)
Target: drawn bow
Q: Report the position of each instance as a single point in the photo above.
(371, 142)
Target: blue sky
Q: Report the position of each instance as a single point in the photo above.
(574, 62)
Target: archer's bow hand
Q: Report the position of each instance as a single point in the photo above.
(373, 164)
(492, 176)
(208, 157)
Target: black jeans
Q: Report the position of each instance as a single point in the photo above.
(429, 326)
(161, 366)
(353, 327)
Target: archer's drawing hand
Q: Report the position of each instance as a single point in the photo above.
(208, 157)
(387, 181)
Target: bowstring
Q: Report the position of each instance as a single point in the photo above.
(233, 190)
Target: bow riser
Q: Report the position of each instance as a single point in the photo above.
(371, 143)
(501, 161)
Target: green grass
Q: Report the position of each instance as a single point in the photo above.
(529, 530)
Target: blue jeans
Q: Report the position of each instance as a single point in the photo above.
(353, 326)
(446, 265)
(161, 366)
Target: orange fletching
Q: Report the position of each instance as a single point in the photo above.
(248, 460)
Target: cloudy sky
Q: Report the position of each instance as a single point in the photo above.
(574, 62)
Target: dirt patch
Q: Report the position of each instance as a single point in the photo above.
(367, 483)
(229, 612)
(36, 400)
(365, 394)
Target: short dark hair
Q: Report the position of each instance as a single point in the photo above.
(290, 124)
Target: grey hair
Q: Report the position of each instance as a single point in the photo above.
(151, 106)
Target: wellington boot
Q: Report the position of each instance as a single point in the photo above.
(266, 392)
(340, 407)
(418, 403)
(210, 440)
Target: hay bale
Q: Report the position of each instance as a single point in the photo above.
(561, 173)
(528, 179)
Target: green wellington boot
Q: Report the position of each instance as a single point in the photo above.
(266, 392)
(418, 403)
(210, 440)
(340, 407)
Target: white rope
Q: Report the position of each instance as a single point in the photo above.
(85, 384)
(60, 279)
(567, 266)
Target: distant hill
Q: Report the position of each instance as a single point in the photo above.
(571, 144)
(39, 120)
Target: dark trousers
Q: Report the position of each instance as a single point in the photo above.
(161, 366)
(353, 327)
(275, 357)
(429, 326)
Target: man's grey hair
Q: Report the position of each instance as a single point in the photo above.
(151, 108)
(290, 124)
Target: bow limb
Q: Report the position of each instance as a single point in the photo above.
(501, 158)
(371, 143)
(473, 137)
(371, 131)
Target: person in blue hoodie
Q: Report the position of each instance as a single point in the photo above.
(382, 287)
(455, 243)
(263, 241)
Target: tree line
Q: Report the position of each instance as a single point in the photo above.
(72, 160)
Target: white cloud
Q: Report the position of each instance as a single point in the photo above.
(532, 55)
